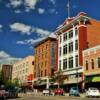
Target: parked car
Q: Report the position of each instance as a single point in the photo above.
(74, 91)
(46, 92)
(11, 92)
(92, 92)
(58, 91)
(2, 94)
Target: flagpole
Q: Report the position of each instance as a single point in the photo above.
(68, 8)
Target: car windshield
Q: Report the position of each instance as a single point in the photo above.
(74, 88)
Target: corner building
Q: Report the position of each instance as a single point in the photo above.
(91, 63)
(75, 35)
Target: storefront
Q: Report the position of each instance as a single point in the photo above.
(92, 81)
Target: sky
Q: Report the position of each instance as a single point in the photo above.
(25, 22)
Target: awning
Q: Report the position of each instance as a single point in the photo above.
(93, 79)
(96, 79)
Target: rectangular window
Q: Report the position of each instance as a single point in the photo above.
(70, 34)
(60, 51)
(41, 73)
(98, 62)
(92, 63)
(76, 44)
(71, 62)
(60, 39)
(76, 31)
(65, 37)
(65, 49)
(71, 47)
(86, 65)
(60, 65)
(76, 58)
(64, 63)
(45, 72)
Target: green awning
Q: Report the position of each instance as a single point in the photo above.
(93, 79)
(96, 79)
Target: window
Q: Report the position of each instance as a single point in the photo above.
(71, 47)
(60, 39)
(71, 62)
(60, 65)
(41, 73)
(86, 65)
(60, 51)
(32, 62)
(65, 37)
(76, 58)
(65, 49)
(76, 44)
(76, 32)
(70, 34)
(45, 72)
(92, 63)
(98, 62)
(64, 63)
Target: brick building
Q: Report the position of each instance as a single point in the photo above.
(7, 71)
(45, 60)
(75, 35)
(91, 65)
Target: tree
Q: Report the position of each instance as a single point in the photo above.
(1, 78)
(59, 78)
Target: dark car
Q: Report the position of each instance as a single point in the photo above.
(11, 93)
(74, 91)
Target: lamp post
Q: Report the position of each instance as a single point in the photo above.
(77, 78)
(47, 83)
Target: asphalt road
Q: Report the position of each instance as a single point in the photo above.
(33, 97)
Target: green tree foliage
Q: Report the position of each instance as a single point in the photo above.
(1, 78)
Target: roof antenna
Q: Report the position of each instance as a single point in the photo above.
(68, 8)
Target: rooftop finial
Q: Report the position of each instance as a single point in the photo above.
(68, 8)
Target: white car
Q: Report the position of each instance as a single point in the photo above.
(92, 92)
(46, 92)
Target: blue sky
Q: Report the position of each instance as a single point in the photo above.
(25, 22)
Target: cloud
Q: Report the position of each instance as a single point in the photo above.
(1, 26)
(17, 11)
(6, 58)
(29, 41)
(53, 2)
(15, 3)
(41, 11)
(28, 30)
(27, 4)
(34, 41)
(41, 32)
(22, 28)
(30, 4)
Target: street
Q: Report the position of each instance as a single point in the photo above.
(39, 97)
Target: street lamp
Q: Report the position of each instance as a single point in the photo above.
(77, 78)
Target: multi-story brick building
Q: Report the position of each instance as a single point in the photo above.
(91, 65)
(75, 35)
(45, 60)
(23, 70)
(7, 72)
